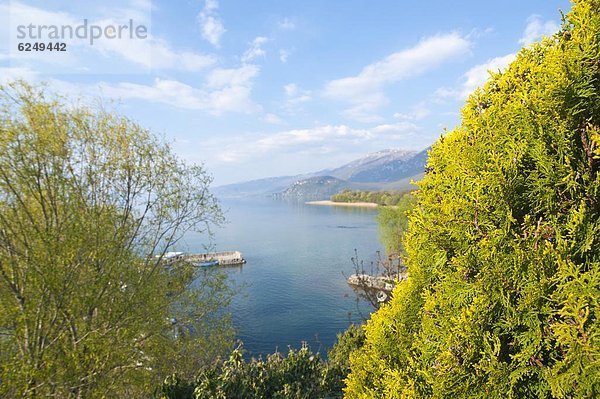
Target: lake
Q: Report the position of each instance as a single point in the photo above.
(294, 281)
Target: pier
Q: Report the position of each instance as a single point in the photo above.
(382, 283)
(377, 289)
(227, 258)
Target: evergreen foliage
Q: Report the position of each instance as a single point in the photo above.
(393, 224)
(503, 293)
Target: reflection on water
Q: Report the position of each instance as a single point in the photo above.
(294, 280)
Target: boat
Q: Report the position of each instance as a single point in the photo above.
(207, 263)
(382, 296)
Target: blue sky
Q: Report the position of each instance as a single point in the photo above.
(267, 88)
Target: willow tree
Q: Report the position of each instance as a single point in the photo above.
(503, 293)
(89, 204)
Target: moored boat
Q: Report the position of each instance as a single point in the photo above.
(207, 263)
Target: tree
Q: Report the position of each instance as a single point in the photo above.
(89, 204)
(393, 224)
(503, 290)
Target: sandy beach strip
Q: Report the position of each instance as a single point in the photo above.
(354, 204)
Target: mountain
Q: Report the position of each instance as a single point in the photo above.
(382, 166)
(383, 170)
(259, 187)
(315, 188)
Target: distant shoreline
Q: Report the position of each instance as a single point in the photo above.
(352, 204)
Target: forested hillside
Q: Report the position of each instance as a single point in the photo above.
(384, 198)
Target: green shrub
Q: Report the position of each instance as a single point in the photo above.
(300, 374)
(503, 293)
(393, 224)
(348, 341)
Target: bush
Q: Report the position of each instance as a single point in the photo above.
(300, 374)
(393, 224)
(503, 293)
(347, 342)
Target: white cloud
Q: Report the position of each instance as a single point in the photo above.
(287, 140)
(284, 55)
(162, 91)
(366, 110)
(479, 74)
(9, 74)
(151, 52)
(419, 112)
(224, 90)
(537, 28)
(76, 93)
(446, 92)
(227, 98)
(295, 97)
(222, 77)
(476, 77)
(319, 139)
(302, 136)
(366, 90)
(156, 54)
(227, 90)
(400, 127)
(291, 89)
(272, 119)
(211, 27)
(286, 24)
(13, 14)
(255, 49)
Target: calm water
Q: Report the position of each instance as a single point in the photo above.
(297, 254)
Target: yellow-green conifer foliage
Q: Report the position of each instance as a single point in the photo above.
(504, 245)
